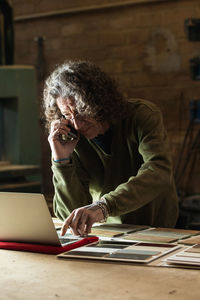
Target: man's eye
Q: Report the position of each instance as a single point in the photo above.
(66, 116)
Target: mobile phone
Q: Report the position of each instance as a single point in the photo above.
(72, 135)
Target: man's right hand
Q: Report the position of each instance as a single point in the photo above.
(60, 148)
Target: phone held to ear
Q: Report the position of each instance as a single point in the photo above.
(72, 135)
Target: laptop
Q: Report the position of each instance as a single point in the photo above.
(25, 217)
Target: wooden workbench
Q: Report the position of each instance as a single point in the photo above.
(38, 276)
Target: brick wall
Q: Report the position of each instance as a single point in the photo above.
(143, 46)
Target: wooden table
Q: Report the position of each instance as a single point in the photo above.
(27, 276)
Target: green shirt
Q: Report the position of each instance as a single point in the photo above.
(136, 178)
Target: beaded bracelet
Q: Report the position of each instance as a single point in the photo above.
(104, 211)
(61, 159)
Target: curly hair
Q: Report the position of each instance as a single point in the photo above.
(94, 92)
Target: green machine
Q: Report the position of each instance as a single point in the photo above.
(19, 130)
(19, 125)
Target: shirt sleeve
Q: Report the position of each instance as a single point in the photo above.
(71, 185)
(154, 178)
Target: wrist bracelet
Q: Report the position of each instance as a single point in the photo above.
(105, 202)
(61, 159)
(104, 211)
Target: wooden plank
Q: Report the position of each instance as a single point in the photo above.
(10, 170)
(84, 9)
(10, 186)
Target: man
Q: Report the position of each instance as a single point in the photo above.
(119, 163)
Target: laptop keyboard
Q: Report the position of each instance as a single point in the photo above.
(67, 241)
(67, 238)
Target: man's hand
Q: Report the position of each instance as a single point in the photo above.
(59, 147)
(82, 219)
